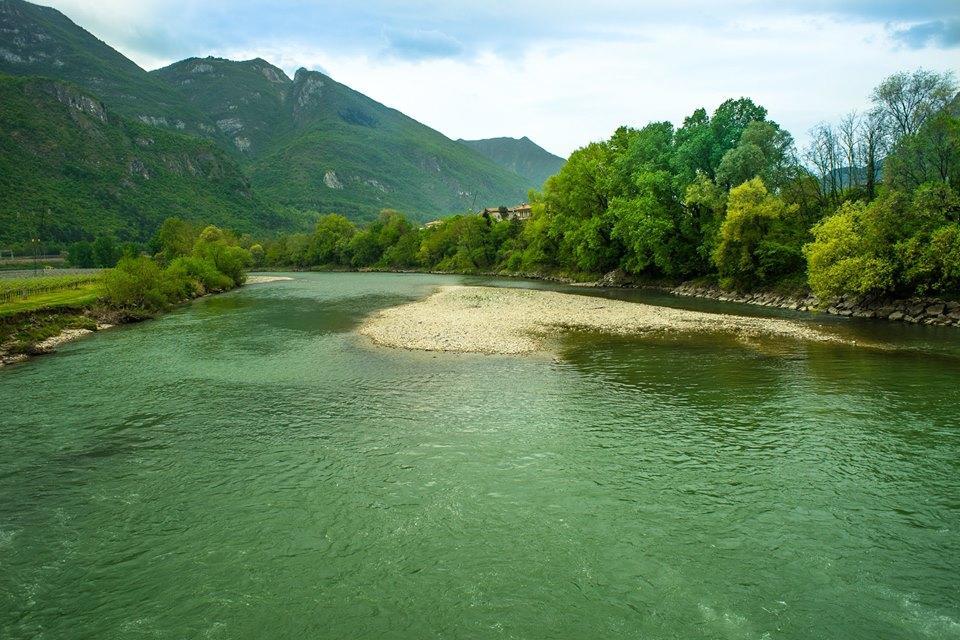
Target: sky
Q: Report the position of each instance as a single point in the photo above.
(562, 73)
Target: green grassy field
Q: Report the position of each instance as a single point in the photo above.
(25, 295)
(63, 299)
(33, 309)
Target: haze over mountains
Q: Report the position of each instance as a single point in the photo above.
(100, 145)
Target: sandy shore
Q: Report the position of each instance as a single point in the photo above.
(266, 279)
(518, 321)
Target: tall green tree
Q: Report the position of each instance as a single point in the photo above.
(106, 253)
(759, 240)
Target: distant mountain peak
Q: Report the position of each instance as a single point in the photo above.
(520, 155)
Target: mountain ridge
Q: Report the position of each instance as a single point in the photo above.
(313, 142)
(307, 143)
(41, 41)
(520, 155)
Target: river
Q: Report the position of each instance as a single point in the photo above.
(249, 467)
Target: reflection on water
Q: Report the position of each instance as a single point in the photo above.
(248, 467)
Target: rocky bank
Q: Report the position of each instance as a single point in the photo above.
(926, 311)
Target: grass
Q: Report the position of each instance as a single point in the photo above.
(27, 295)
(34, 309)
(66, 299)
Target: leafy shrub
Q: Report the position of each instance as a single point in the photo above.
(201, 276)
(221, 250)
(137, 284)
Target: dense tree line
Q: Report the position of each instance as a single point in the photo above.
(187, 262)
(870, 207)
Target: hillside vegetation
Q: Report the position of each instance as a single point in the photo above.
(70, 169)
(44, 42)
(522, 156)
(314, 143)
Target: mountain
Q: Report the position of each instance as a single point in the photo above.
(314, 143)
(247, 101)
(70, 168)
(41, 41)
(229, 142)
(522, 156)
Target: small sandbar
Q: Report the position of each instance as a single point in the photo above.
(492, 320)
(266, 279)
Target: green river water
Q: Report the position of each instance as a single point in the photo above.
(249, 467)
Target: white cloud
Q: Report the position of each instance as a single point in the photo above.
(567, 93)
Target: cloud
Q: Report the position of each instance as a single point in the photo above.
(944, 34)
(421, 45)
(879, 10)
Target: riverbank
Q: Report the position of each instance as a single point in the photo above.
(43, 330)
(926, 311)
(491, 320)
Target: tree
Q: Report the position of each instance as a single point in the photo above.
(930, 257)
(364, 249)
(900, 242)
(136, 284)
(729, 122)
(758, 240)
(80, 255)
(403, 253)
(930, 155)
(823, 153)
(765, 151)
(221, 250)
(693, 148)
(331, 240)
(872, 145)
(648, 225)
(105, 252)
(909, 99)
(257, 253)
(849, 135)
(841, 259)
(173, 239)
(706, 204)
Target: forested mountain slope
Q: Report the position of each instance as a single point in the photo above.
(70, 168)
(520, 155)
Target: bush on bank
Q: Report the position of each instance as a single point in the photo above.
(187, 265)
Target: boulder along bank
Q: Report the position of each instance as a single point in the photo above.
(926, 311)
